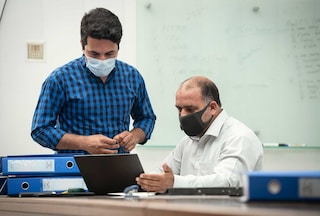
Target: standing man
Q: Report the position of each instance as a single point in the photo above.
(85, 106)
(217, 148)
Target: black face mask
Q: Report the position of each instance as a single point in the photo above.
(192, 123)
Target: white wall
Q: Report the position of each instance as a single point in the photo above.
(57, 24)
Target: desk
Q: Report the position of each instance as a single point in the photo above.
(156, 206)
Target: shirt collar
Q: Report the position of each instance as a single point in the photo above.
(217, 124)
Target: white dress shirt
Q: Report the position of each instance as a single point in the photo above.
(217, 159)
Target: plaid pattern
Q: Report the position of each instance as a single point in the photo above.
(73, 100)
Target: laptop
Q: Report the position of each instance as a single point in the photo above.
(109, 173)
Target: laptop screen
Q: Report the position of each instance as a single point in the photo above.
(111, 173)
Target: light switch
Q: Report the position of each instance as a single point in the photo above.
(35, 51)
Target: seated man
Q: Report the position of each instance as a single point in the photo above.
(216, 150)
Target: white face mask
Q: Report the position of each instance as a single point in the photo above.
(100, 68)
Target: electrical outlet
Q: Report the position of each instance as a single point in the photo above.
(35, 51)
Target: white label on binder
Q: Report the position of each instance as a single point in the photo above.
(309, 187)
(61, 184)
(31, 165)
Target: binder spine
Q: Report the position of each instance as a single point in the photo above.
(285, 186)
(39, 166)
(44, 184)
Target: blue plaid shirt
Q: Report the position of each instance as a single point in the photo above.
(73, 100)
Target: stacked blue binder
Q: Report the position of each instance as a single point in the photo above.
(282, 186)
(53, 173)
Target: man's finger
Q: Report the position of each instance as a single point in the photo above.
(166, 168)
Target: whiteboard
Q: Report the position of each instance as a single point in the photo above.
(264, 57)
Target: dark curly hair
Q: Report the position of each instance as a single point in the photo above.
(100, 23)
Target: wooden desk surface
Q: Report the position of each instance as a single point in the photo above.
(156, 206)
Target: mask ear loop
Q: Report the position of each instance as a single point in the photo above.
(212, 116)
(217, 111)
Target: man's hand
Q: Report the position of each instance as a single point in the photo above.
(157, 182)
(100, 144)
(94, 144)
(129, 139)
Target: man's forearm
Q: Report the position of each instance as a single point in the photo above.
(72, 142)
(139, 134)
